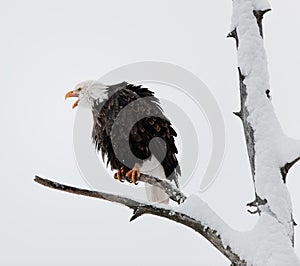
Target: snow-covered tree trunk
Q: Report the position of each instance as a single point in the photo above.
(271, 152)
(271, 155)
(263, 133)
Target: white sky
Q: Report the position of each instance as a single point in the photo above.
(46, 48)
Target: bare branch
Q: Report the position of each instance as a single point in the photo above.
(233, 34)
(140, 208)
(174, 193)
(286, 168)
(259, 14)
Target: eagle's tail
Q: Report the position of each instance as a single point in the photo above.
(155, 194)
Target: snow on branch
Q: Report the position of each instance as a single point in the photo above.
(266, 143)
(270, 152)
(193, 213)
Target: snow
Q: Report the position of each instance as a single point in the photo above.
(266, 244)
(255, 4)
(196, 208)
(261, 4)
(270, 141)
(287, 150)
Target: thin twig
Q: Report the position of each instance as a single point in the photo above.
(174, 193)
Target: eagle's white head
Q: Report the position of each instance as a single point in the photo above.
(88, 92)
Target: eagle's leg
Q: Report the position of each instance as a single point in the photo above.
(120, 174)
(134, 174)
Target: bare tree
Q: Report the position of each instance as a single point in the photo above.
(271, 155)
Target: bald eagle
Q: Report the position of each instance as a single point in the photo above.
(127, 118)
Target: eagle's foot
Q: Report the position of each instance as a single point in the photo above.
(120, 175)
(133, 175)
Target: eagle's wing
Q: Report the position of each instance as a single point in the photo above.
(155, 125)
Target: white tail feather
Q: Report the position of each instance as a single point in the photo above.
(155, 194)
(154, 168)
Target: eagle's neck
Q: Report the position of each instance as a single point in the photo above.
(97, 93)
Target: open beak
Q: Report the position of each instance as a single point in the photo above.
(72, 94)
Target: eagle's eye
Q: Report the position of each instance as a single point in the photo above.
(79, 89)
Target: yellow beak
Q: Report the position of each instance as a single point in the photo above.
(72, 94)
